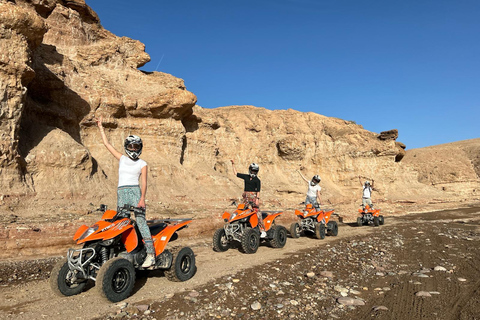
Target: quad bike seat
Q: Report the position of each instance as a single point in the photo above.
(156, 228)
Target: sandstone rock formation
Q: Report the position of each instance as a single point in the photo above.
(21, 32)
(61, 69)
(452, 168)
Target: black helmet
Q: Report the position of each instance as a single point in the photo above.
(316, 179)
(133, 146)
(253, 169)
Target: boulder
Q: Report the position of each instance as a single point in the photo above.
(388, 135)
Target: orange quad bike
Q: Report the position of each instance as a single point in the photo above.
(113, 249)
(313, 221)
(370, 215)
(242, 227)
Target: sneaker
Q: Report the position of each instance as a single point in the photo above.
(149, 261)
(263, 234)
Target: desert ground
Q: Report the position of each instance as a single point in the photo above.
(60, 69)
(417, 266)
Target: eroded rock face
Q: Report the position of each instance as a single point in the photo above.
(452, 168)
(63, 167)
(61, 69)
(21, 32)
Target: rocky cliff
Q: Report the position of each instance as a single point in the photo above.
(60, 69)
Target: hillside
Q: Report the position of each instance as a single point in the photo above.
(62, 68)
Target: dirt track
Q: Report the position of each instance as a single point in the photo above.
(383, 266)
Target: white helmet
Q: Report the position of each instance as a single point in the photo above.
(367, 183)
(253, 169)
(133, 146)
(316, 179)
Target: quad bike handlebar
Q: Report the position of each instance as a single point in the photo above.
(169, 221)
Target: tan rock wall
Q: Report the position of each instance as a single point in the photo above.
(60, 68)
(20, 32)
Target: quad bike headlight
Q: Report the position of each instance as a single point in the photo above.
(88, 232)
(108, 242)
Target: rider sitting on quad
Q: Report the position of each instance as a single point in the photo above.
(367, 192)
(129, 192)
(313, 193)
(251, 191)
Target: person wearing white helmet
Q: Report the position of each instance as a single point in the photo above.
(313, 193)
(131, 168)
(367, 192)
(251, 191)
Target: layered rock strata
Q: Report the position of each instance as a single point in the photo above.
(60, 68)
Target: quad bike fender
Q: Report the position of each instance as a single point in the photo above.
(270, 219)
(163, 237)
(226, 215)
(321, 216)
(299, 213)
(253, 220)
(109, 214)
(130, 239)
(242, 214)
(108, 230)
(79, 232)
(327, 215)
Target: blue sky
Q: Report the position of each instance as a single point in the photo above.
(410, 65)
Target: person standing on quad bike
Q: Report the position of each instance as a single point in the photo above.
(313, 193)
(129, 191)
(251, 191)
(367, 192)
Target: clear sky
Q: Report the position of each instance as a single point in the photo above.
(406, 64)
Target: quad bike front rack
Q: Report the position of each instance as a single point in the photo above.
(75, 258)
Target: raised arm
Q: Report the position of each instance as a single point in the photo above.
(233, 166)
(107, 144)
(360, 180)
(306, 180)
(373, 182)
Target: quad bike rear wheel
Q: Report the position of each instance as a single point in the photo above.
(183, 266)
(115, 279)
(381, 220)
(376, 221)
(359, 222)
(295, 230)
(332, 228)
(250, 241)
(279, 237)
(61, 280)
(320, 231)
(220, 241)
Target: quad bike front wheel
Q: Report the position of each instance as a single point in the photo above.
(320, 231)
(359, 222)
(295, 230)
(376, 221)
(332, 228)
(279, 237)
(220, 241)
(115, 279)
(381, 220)
(183, 265)
(250, 241)
(62, 280)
